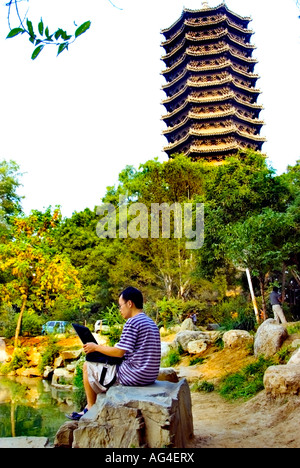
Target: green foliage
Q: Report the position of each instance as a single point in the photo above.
(32, 323)
(115, 321)
(251, 219)
(18, 360)
(293, 328)
(235, 313)
(171, 358)
(203, 386)
(196, 360)
(79, 396)
(42, 36)
(246, 383)
(50, 353)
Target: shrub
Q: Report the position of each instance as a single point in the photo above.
(171, 359)
(196, 360)
(235, 314)
(79, 396)
(246, 383)
(49, 355)
(19, 359)
(203, 386)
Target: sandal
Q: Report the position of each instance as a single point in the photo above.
(76, 416)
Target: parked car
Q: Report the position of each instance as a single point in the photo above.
(54, 327)
(101, 326)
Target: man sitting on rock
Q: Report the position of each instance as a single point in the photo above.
(139, 347)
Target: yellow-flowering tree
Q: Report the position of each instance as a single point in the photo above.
(35, 274)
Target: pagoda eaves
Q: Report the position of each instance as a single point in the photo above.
(211, 94)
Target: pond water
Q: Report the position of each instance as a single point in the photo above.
(32, 407)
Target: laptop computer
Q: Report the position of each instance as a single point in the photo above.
(86, 336)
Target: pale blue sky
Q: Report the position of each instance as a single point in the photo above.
(74, 122)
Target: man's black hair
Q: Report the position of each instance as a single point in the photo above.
(275, 289)
(134, 295)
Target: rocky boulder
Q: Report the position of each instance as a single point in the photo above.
(269, 338)
(237, 339)
(295, 359)
(282, 380)
(3, 354)
(197, 347)
(155, 416)
(188, 324)
(185, 337)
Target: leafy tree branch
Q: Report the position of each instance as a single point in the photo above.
(41, 36)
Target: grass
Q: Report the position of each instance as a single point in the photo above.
(247, 382)
(171, 359)
(203, 386)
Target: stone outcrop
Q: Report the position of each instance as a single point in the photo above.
(237, 339)
(282, 380)
(184, 338)
(3, 354)
(24, 442)
(269, 338)
(155, 416)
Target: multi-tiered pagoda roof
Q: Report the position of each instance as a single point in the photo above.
(211, 94)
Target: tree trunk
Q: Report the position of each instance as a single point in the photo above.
(262, 292)
(20, 322)
(283, 283)
(296, 275)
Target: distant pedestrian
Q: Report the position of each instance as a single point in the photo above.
(193, 316)
(275, 301)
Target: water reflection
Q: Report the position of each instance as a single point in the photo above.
(31, 407)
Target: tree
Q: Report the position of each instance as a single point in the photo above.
(241, 187)
(260, 243)
(36, 275)
(166, 260)
(10, 201)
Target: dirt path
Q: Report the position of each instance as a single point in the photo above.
(258, 423)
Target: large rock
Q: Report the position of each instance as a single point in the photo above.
(196, 347)
(237, 339)
(269, 338)
(168, 374)
(24, 442)
(282, 380)
(155, 416)
(188, 324)
(185, 337)
(295, 359)
(3, 354)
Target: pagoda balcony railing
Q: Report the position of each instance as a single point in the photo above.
(175, 36)
(226, 48)
(241, 41)
(174, 50)
(212, 99)
(201, 36)
(213, 149)
(216, 20)
(206, 100)
(205, 84)
(202, 67)
(201, 116)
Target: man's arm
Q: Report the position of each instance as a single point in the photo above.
(108, 350)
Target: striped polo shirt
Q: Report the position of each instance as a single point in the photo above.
(141, 341)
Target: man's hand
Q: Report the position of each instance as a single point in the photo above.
(89, 347)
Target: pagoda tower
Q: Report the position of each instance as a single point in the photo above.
(211, 94)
